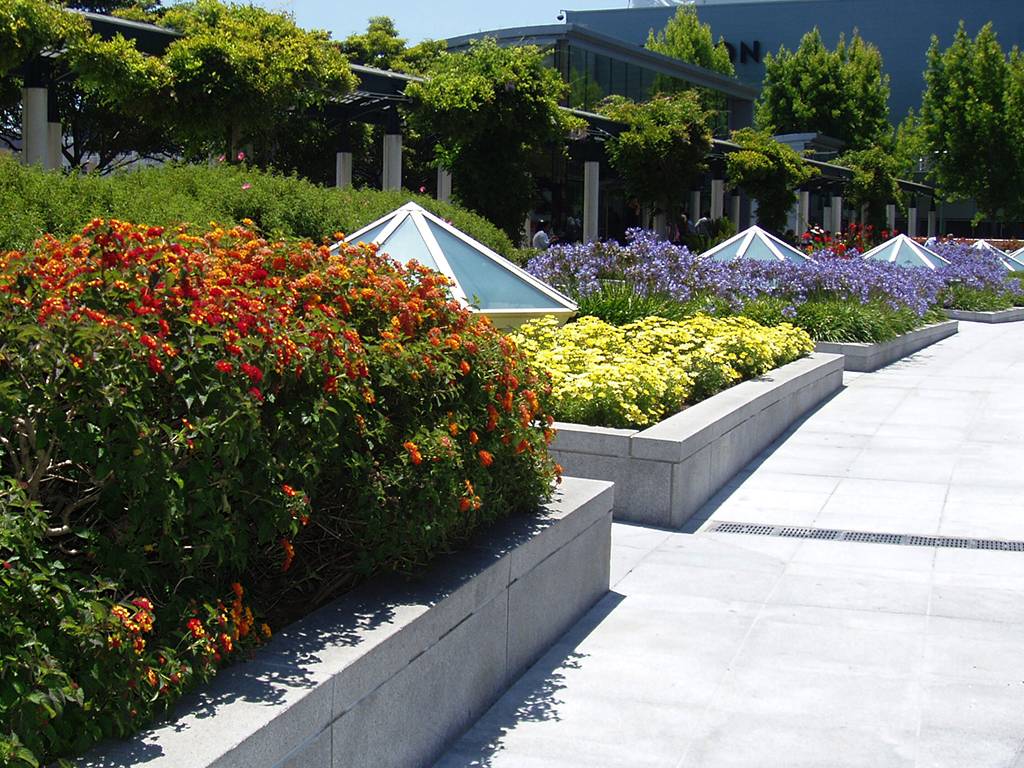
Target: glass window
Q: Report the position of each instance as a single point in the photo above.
(374, 233)
(487, 284)
(406, 243)
(758, 250)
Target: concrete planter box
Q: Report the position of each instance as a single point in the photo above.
(665, 473)
(392, 674)
(1002, 316)
(871, 357)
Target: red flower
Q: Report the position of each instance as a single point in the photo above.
(464, 367)
(7, 566)
(464, 504)
(154, 364)
(474, 438)
(255, 392)
(148, 341)
(255, 374)
(195, 626)
(289, 555)
(143, 603)
(224, 366)
(486, 458)
(288, 490)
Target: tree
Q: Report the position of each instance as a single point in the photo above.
(664, 148)
(381, 47)
(967, 128)
(910, 147)
(768, 171)
(875, 181)
(686, 39)
(842, 93)
(234, 78)
(489, 109)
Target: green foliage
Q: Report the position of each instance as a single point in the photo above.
(283, 206)
(381, 47)
(489, 110)
(686, 39)
(842, 93)
(972, 299)
(664, 147)
(875, 181)
(27, 27)
(835, 320)
(619, 303)
(971, 121)
(180, 415)
(910, 149)
(769, 172)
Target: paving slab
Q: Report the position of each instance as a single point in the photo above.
(718, 649)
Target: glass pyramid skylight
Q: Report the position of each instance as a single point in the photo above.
(483, 280)
(756, 244)
(1011, 261)
(985, 245)
(1016, 260)
(907, 253)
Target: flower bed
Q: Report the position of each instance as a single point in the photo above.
(202, 433)
(835, 296)
(635, 375)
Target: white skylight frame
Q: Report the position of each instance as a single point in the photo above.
(746, 237)
(931, 259)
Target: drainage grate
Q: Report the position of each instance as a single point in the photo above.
(833, 534)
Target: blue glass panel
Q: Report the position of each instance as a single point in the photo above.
(406, 243)
(788, 252)
(486, 284)
(758, 250)
(907, 257)
(373, 234)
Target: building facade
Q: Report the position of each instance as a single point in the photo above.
(902, 30)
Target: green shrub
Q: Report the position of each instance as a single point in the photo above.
(37, 202)
(836, 320)
(970, 299)
(618, 303)
(193, 414)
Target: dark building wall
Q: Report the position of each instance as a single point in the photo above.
(901, 29)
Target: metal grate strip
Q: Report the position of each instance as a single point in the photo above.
(869, 537)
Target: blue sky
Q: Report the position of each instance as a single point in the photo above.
(417, 20)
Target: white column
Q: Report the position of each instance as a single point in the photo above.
(717, 198)
(864, 214)
(826, 217)
(932, 224)
(444, 185)
(793, 217)
(661, 223)
(912, 221)
(591, 199)
(54, 144)
(695, 212)
(343, 170)
(890, 216)
(392, 172)
(837, 213)
(34, 130)
(804, 215)
(734, 212)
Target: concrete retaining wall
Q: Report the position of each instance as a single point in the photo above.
(871, 357)
(392, 674)
(1002, 316)
(664, 474)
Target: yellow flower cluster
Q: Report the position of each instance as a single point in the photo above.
(636, 374)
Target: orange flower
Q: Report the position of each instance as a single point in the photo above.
(474, 438)
(238, 590)
(464, 504)
(486, 458)
(464, 367)
(288, 491)
(414, 452)
(289, 555)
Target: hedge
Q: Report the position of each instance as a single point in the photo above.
(35, 202)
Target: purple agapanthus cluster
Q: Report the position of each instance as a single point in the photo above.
(972, 267)
(654, 265)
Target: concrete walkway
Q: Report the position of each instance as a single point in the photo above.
(718, 649)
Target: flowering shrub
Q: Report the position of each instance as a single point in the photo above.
(191, 414)
(976, 280)
(636, 374)
(655, 267)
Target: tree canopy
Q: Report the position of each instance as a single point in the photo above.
(875, 181)
(664, 148)
(687, 39)
(971, 121)
(489, 110)
(842, 93)
(768, 171)
(381, 47)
